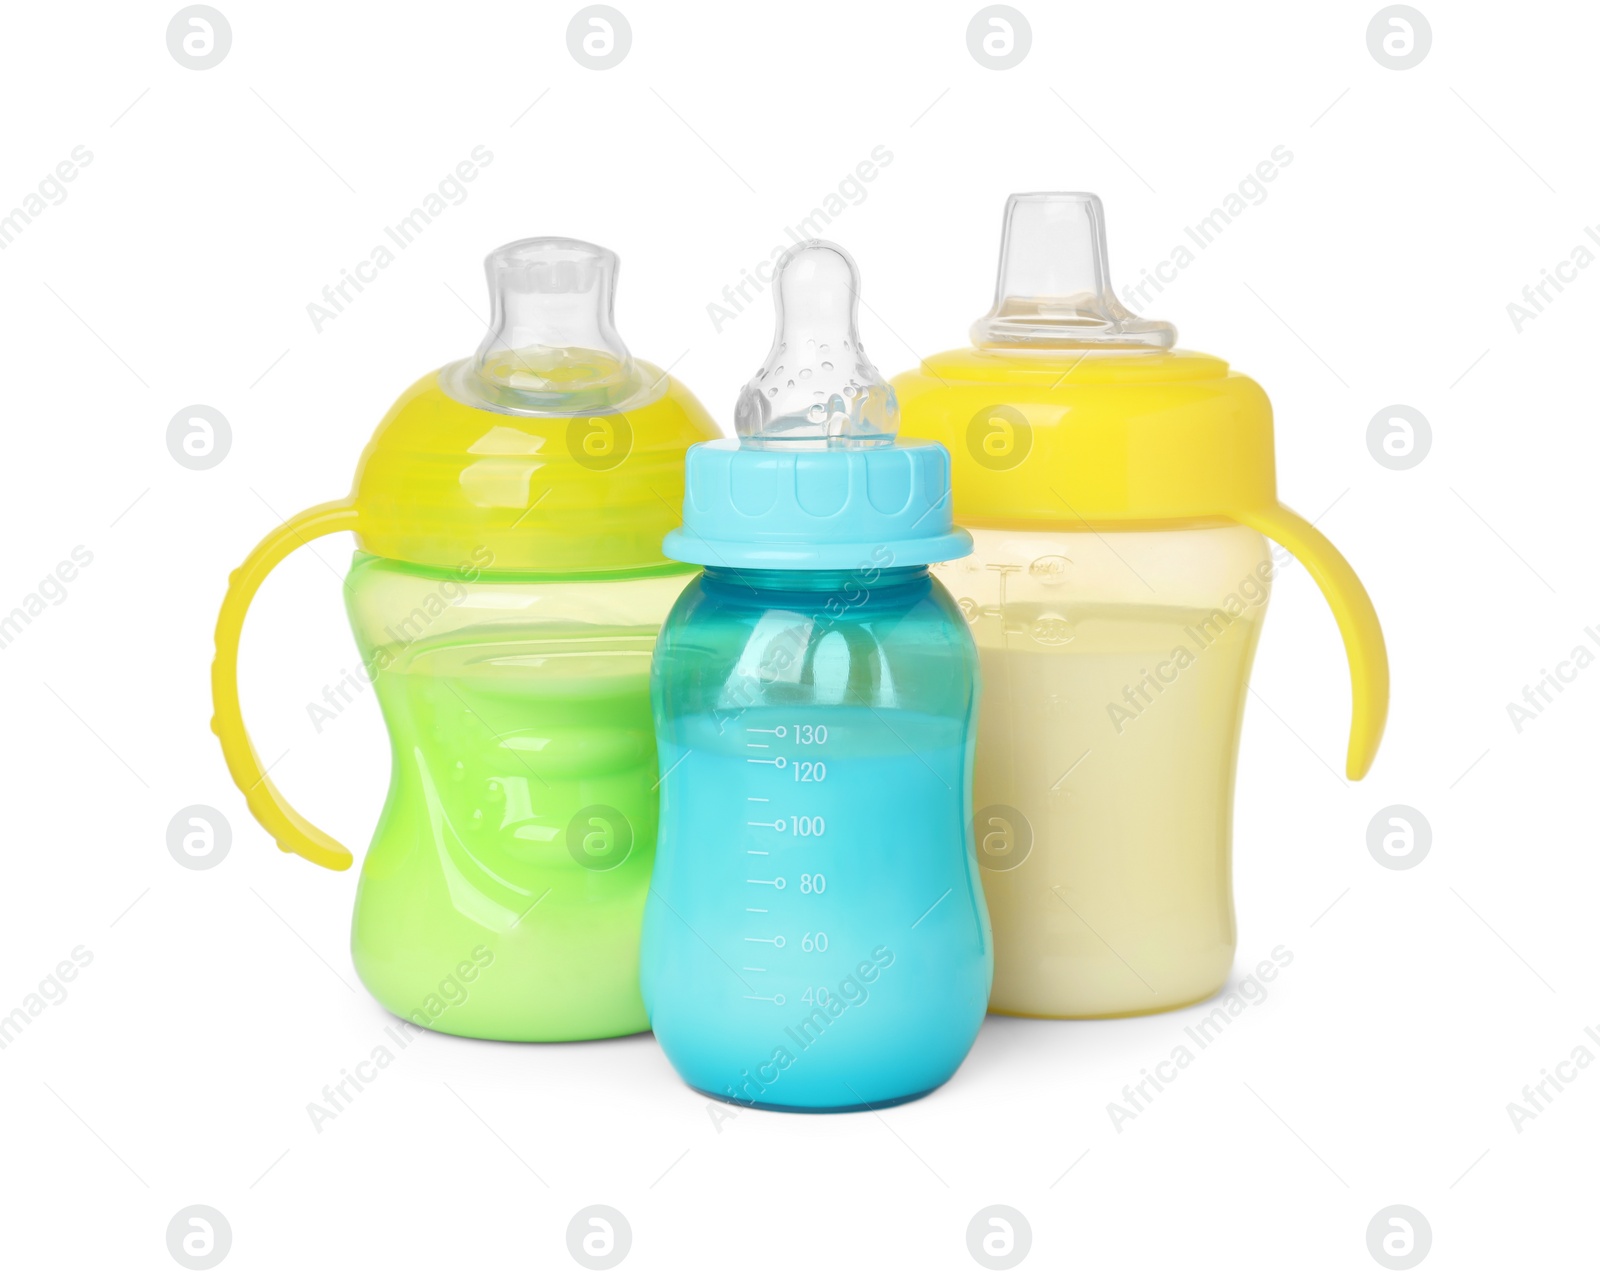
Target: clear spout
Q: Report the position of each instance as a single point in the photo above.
(1054, 287)
(817, 388)
(552, 348)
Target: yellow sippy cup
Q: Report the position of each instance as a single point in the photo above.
(506, 592)
(1118, 492)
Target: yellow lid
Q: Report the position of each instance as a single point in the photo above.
(551, 450)
(442, 482)
(1107, 437)
(1073, 413)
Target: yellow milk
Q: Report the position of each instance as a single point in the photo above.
(1118, 492)
(1114, 685)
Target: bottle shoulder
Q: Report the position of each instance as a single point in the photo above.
(729, 610)
(907, 646)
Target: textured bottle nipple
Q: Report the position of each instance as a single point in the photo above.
(817, 387)
(551, 348)
(1054, 287)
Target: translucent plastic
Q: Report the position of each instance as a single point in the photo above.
(816, 937)
(1054, 284)
(1114, 670)
(552, 346)
(817, 387)
(504, 889)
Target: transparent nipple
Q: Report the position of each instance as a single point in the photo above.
(1054, 287)
(551, 347)
(817, 388)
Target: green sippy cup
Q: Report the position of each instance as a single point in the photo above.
(506, 592)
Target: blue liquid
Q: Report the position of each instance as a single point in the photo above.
(815, 936)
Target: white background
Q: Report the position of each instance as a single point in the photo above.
(1376, 271)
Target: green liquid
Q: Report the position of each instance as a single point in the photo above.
(504, 890)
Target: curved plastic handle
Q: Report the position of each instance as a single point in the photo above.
(292, 831)
(1358, 624)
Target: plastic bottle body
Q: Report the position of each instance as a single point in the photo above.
(1114, 674)
(503, 892)
(816, 936)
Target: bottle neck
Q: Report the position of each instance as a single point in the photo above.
(868, 576)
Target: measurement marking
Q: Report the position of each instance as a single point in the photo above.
(776, 999)
(755, 744)
(757, 800)
(770, 762)
(756, 853)
(765, 824)
(775, 940)
(764, 882)
(766, 731)
(761, 969)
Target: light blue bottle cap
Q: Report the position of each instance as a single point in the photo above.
(816, 478)
(834, 508)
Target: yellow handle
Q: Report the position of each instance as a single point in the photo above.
(1358, 624)
(292, 831)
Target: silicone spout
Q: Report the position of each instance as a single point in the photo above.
(1054, 287)
(552, 348)
(817, 388)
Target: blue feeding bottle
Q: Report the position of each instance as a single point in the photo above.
(815, 937)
